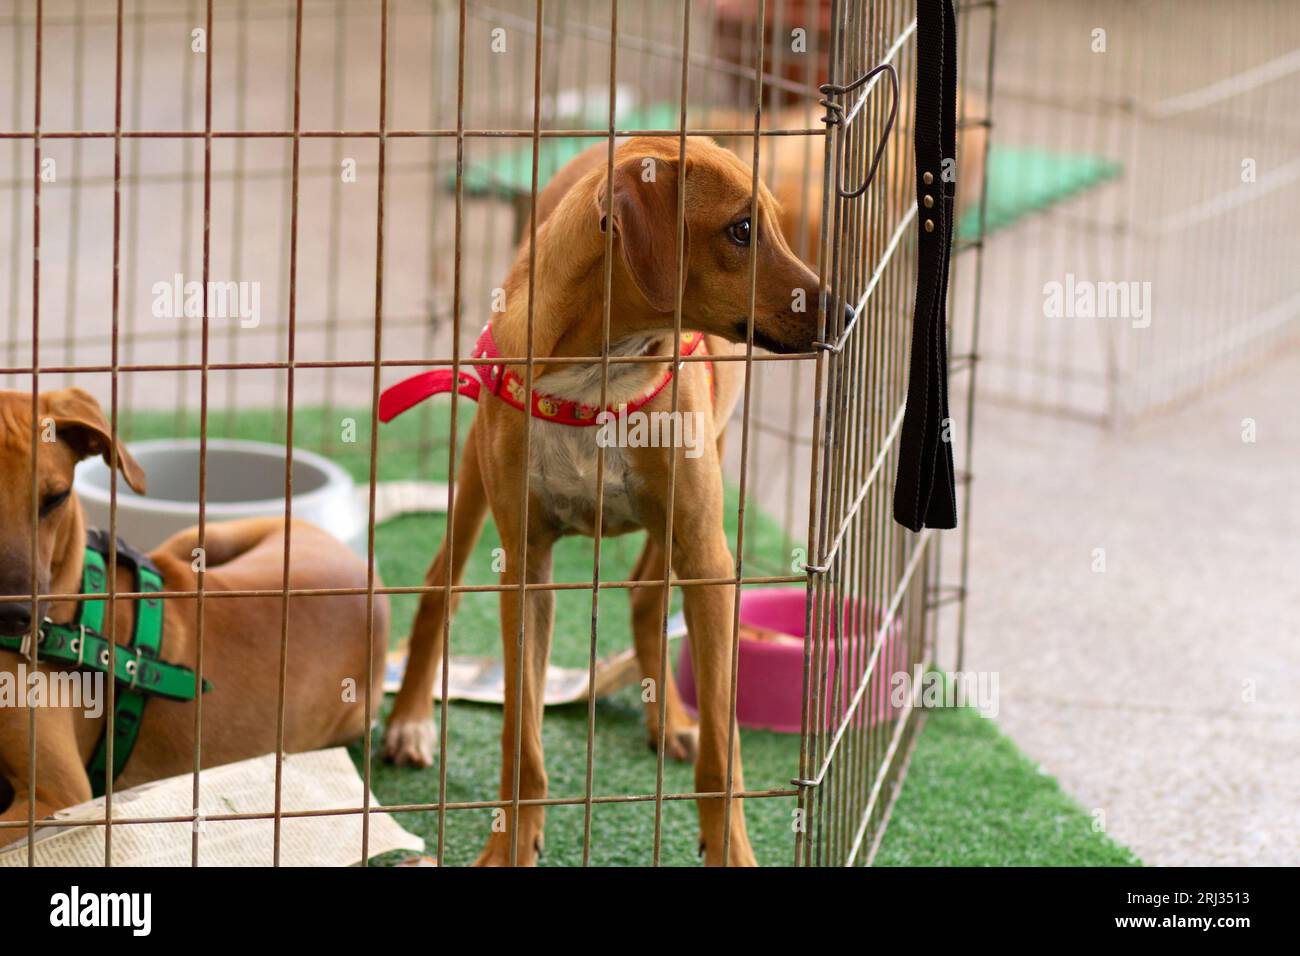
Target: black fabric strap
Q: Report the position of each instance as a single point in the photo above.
(925, 495)
(99, 540)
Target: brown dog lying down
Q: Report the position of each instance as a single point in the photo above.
(559, 472)
(327, 661)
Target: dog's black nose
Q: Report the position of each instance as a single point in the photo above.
(15, 618)
(848, 314)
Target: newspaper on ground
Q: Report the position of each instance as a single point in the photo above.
(483, 679)
(396, 498)
(317, 780)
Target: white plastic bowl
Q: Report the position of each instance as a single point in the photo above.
(245, 480)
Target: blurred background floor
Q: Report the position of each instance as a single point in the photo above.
(1164, 691)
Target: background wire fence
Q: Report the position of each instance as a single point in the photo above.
(236, 165)
(1190, 119)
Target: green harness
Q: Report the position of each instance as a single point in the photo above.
(137, 669)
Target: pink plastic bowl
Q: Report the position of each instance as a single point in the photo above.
(769, 691)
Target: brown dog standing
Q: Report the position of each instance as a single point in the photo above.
(559, 473)
(327, 634)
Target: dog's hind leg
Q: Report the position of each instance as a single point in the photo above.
(682, 735)
(411, 732)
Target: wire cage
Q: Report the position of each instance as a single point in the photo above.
(370, 168)
(1171, 136)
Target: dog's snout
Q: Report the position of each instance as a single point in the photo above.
(849, 313)
(15, 618)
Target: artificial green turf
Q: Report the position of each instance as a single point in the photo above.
(970, 798)
(1024, 180)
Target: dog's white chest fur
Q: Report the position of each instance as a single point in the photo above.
(563, 457)
(563, 478)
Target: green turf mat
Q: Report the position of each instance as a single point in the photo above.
(1023, 180)
(510, 172)
(971, 796)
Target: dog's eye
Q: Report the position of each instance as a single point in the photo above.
(738, 232)
(51, 502)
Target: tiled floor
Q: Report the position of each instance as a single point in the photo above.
(1164, 691)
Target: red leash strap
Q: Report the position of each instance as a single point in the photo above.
(411, 391)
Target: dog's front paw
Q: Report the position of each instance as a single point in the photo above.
(739, 853)
(682, 744)
(410, 743)
(497, 851)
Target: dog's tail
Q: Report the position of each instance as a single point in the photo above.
(225, 540)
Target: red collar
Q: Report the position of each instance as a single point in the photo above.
(509, 387)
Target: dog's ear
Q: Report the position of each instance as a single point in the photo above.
(80, 422)
(644, 215)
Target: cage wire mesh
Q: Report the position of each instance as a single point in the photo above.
(127, 216)
(1168, 132)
